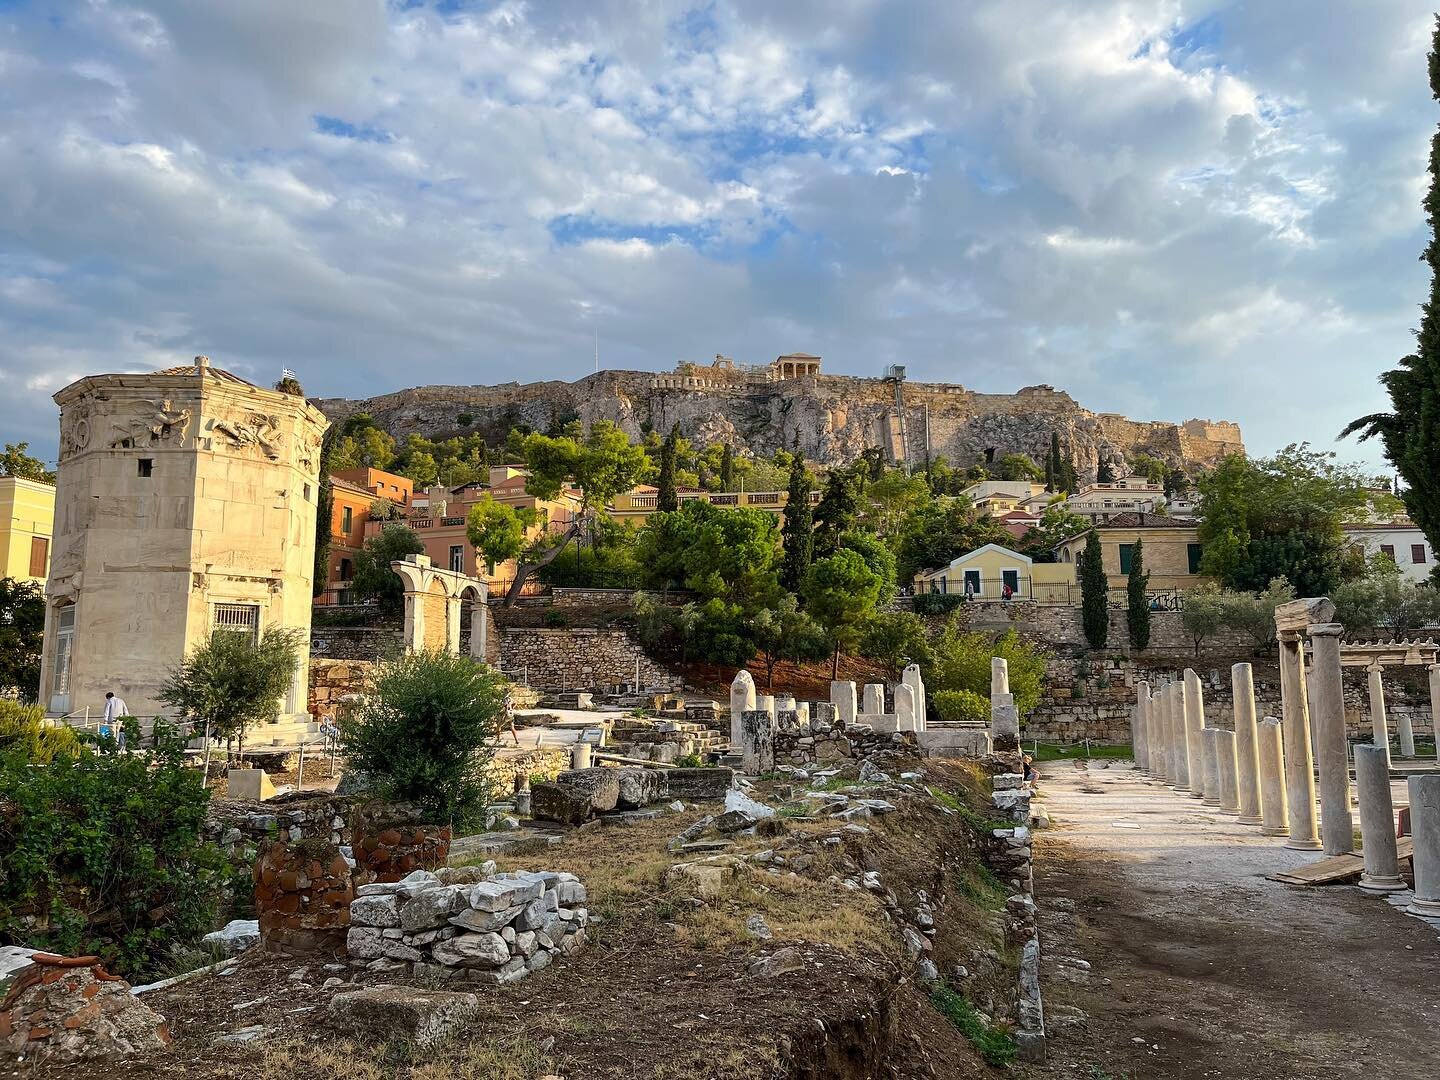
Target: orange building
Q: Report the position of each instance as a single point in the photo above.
(353, 491)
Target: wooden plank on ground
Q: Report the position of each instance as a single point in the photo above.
(1338, 869)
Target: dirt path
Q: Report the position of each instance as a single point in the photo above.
(1199, 966)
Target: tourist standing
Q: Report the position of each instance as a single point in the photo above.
(115, 712)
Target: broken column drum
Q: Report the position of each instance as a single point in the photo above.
(1377, 822)
(1247, 750)
(1270, 747)
(1379, 726)
(757, 741)
(1193, 708)
(1337, 827)
(904, 708)
(874, 699)
(1211, 786)
(1299, 764)
(911, 677)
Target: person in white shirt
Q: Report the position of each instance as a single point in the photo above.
(115, 711)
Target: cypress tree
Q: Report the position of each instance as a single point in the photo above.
(836, 513)
(666, 498)
(727, 468)
(1051, 456)
(1104, 473)
(1411, 434)
(1094, 593)
(798, 535)
(324, 511)
(1137, 604)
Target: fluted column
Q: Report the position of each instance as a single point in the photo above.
(1299, 765)
(1247, 749)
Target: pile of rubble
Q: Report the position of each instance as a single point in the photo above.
(579, 794)
(58, 1009)
(492, 928)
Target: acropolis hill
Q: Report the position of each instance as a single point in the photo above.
(836, 417)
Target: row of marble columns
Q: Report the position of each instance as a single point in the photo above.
(1379, 721)
(1264, 772)
(850, 706)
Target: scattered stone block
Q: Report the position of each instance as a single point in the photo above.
(237, 936)
(248, 785)
(58, 1010)
(778, 963)
(472, 951)
(420, 1017)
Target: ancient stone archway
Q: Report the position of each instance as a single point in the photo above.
(434, 599)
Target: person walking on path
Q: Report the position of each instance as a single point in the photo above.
(115, 712)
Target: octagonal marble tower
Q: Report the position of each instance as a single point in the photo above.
(184, 502)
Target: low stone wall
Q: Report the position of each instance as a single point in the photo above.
(564, 596)
(355, 642)
(579, 659)
(1062, 626)
(497, 929)
(537, 765)
(802, 748)
(576, 795)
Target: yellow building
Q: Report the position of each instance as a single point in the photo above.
(27, 517)
(993, 572)
(1171, 550)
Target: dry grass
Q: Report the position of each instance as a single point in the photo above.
(466, 1058)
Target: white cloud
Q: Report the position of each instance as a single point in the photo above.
(1138, 202)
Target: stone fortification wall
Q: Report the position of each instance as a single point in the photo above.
(834, 417)
(579, 659)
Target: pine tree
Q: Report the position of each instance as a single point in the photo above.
(798, 534)
(1137, 603)
(1094, 593)
(666, 497)
(727, 468)
(1411, 434)
(836, 513)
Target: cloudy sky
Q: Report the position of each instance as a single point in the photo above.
(1171, 209)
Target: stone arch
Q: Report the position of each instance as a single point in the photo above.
(434, 599)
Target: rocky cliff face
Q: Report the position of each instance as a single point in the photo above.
(834, 417)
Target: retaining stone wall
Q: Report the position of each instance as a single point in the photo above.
(354, 642)
(579, 659)
(1062, 627)
(827, 747)
(333, 680)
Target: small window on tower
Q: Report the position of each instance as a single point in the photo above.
(146, 466)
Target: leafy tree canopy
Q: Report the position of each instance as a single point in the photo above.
(232, 682)
(714, 551)
(373, 576)
(602, 465)
(961, 661)
(22, 635)
(14, 461)
(1018, 467)
(940, 530)
(497, 531)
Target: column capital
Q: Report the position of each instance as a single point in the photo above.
(1289, 637)
(1329, 629)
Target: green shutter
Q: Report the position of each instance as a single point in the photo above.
(1194, 552)
(1126, 550)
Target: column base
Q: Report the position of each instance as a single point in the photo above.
(1230, 810)
(1382, 884)
(1195, 794)
(1210, 802)
(1275, 832)
(1429, 909)
(1251, 820)
(1305, 845)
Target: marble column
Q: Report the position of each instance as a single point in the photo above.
(1139, 748)
(1299, 764)
(1337, 827)
(1229, 781)
(1210, 779)
(785, 703)
(742, 700)
(1406, 731)
(999, 675)
(766, 702)
(1379, 727)
(757, 741)
(1425, 824)
(1193, 709)
(580, 755)
(911, 677)
(874, 698)
(904, 707)
(1273, 809)
(1158, 749)
(1435, 706)
(1377, 822)
(1247, 750)
(842, 696)
(1179, 743)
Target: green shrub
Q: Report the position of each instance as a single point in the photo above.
(101, 854)
(995, 1046)
(961, 705)
(426, 731)
(934, 603)
(556, 620)
(23, 732)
